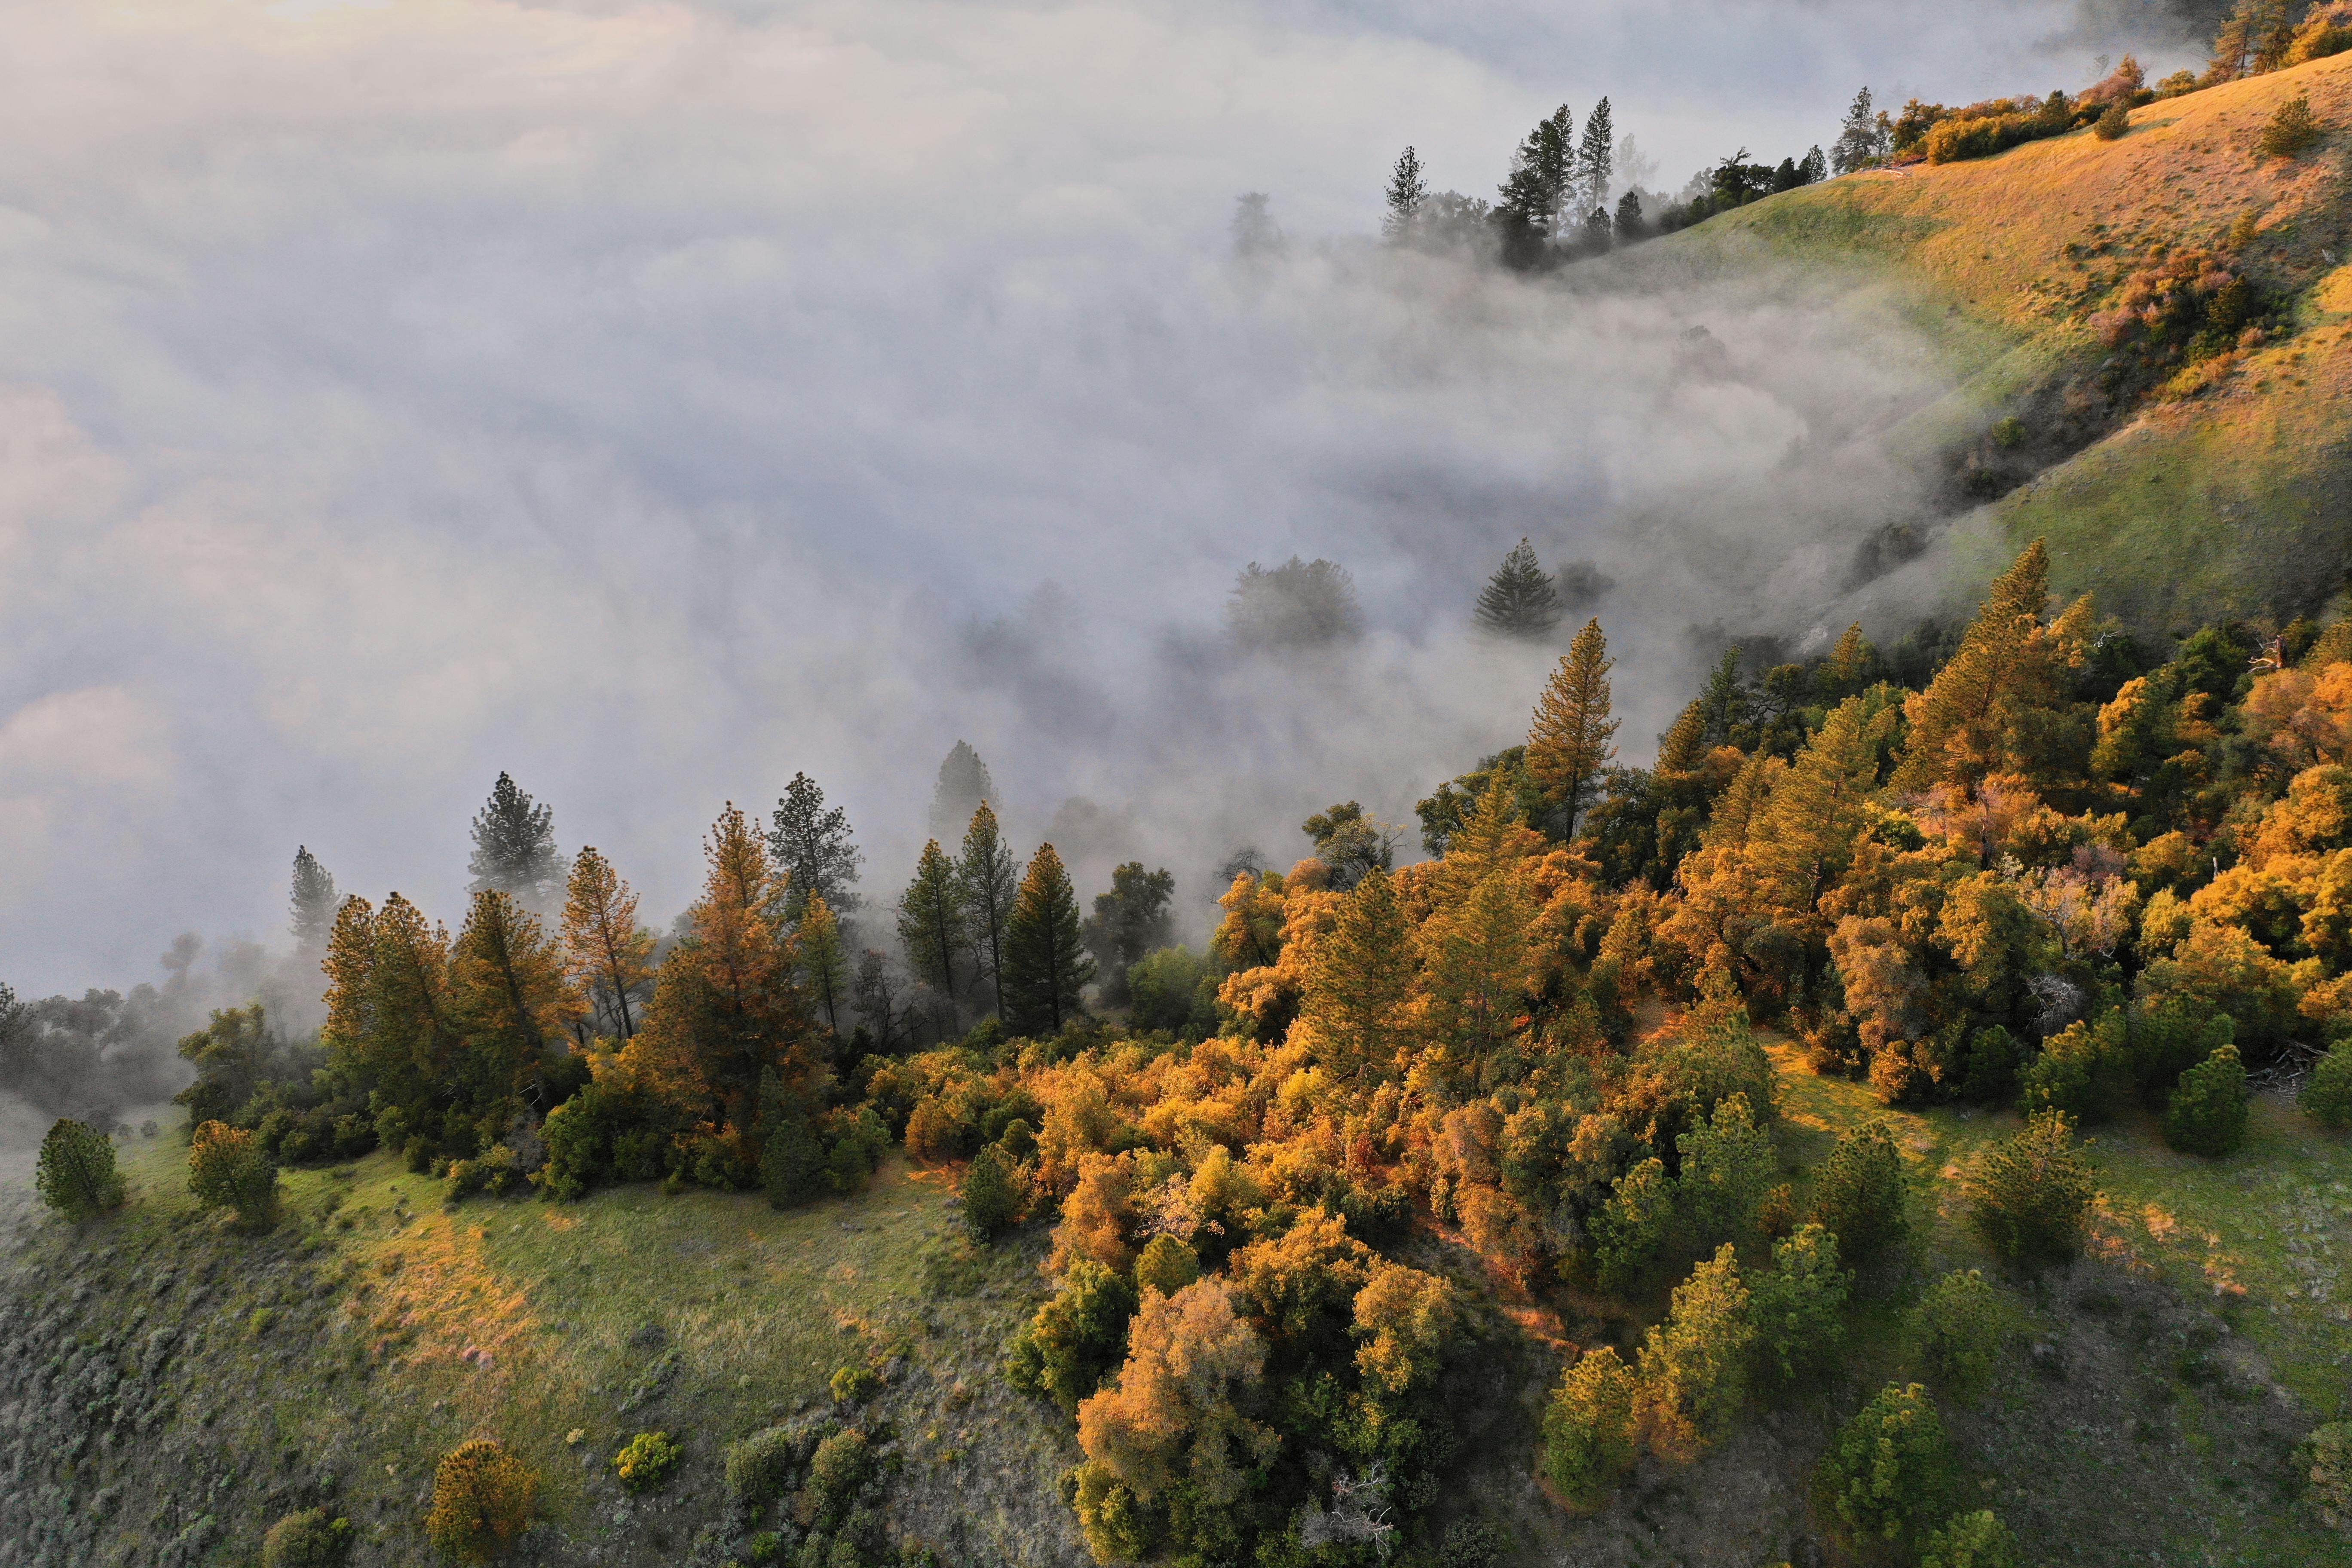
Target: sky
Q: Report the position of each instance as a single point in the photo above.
(657, 400)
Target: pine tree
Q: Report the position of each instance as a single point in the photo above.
(1857, 145)
(1682, 748)
(1694, 1367)
(313, 903)
(1596, 160)
(2007, 664)
(1356, 982)
(1528, 202)
(1572, 739)
(1805, 836)
(812, 848)
(76, 1174)
(509, 993)
(1128, 922)
(514, 848)
(1046, 962)
(989, 880)
(608, 956)
(824, 968)
(1520, 600)
(1852, 663)
(932, 923)
(1630, 224)
(1406, 192)
(963, 788)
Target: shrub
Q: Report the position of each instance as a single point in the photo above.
(1798, 1307)
(2207, 1113)
(2327, 1096)
(838, 1468)
(1976, 1540)
(77, 1175)
(1962, 1322)
(2168, 1040)
(2325, 1460)
(2084, 1070)
(1991, 1074)
(2115, 123)
(1076, 1338)
(306, 1540)
(226, 1169)
(855, 1385)
(991, 1200)
(1588, 1430)
(2030, 1193)
(1165, 1265)
(482, 1498)
(2291, 130)
(1887, 1475)
(1116, 1526)
(648, 1460)
(1858, 1194)
(762, 1465)
(2319, 39)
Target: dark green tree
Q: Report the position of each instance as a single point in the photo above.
(1351, 843)
(313, 904)
(1407, 190)
(76, 1175)
(812, 844)
(1520, 600)
(2207, 1112)
(1595, 165)
(992, 1202)
(989, 879)
(1128, 922)
(1077, 1339)
(1528, 205)
(1887, 1480)
(2030, 1193)
(1858, 1195)
(514, 849)
(932, 923)
(1631, 224)
(1859, 141)
(1046, 962)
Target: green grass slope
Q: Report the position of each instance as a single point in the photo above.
(2228, 491)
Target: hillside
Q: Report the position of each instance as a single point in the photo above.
(2228, 490)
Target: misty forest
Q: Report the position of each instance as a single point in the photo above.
(1617, 873)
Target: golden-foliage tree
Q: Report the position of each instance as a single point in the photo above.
(607, 954)
(1572, 737)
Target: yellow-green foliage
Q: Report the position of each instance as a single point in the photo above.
(646, 1461)
(482, 1498)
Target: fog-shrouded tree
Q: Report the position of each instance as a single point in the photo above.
(963, 787)
(514, 848)
(1407, 190)
(824, 965)
(1351, 843)
(1572, 738)
(812, 847)
(1528, 203)
(1046, 962)
(1128, 922)
(1595, 166)
(1860, 140)
(1520, 600)
(312, 905)
(607, 954)
(1253, 229)
(874, 993)
(990, 879)
(931, 924)
(1629, 222)
(1299, 604)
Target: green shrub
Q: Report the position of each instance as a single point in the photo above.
(2084, 1071)
(855, 1385)
(482, 1498)
(1077, 1339)
(1116, 1523)
(1887, 1478)
(1962, 1322)
(2325, 1460)
(2292, 128)
(839, 1467)
(1166, 1265)
(1990, 1077)
(991, 1199)
(763, 1465)
(646, 1461)
(226, 1169)
(1858, 1195)
(1587, 1430)
(2327, 1096)
(1976, 1540)
(2166, 1041)
(2030, 1193)
(76, 1175)
(2207, 1113)
(306, 1540)
(2115, 122)
(1799, 1305)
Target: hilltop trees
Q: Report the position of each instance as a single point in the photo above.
(1570, 740)
(1528, 206)
(1046, 960)
(1406, 193)
(932, 923)
(608, 957)
(1862, 140)
(312, 904)
(812, 846)
(514, 848)
(1520, 600)
(1595, 162)
(988, 879)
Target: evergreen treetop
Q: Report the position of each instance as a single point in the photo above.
(811, 845)
(1520, 600)
(514, 848)
(313, 902)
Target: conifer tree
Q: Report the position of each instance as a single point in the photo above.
(1962, 726)
(413, 1038)
(1682, 748)
(514, 848)
(1128, 922)
(313, 903)
(1046, 962)
(1630, 224)
(812, 846)
(1694, 1367)
(1572, 739)
(509, 992)
(1806, 834)
(1596, 160)
(76, 1174)
(1857, 145)
(963, 787)
(1407, 190)
(1356, 982)
(989, 880)
(932, 925)
(1851, 664)
(824, 968)
(1528, 202)
(1520, 600)
(606, 954)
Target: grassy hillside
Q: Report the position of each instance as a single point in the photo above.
(2227, 489)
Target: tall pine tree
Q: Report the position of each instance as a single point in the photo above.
(812, 846)
(1596, 160)
(931, 924)
(963, 787)
(509, 993)
(1407, 190)
(1046, 962)
(1528, 203)
(608, 957)
(1572, 740)
(1965, 724)
(514, 848)
(825, 967)
(1856, 146)
(1520, 600)
(1357, 977)
(313, 904)
(989, 880)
